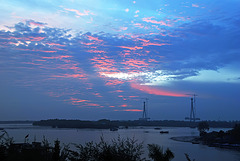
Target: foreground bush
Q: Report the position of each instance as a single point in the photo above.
(117, 150)
(157, 154)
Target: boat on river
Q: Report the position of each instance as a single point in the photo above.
(164, 132)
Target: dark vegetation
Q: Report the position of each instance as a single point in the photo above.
(106, 124)
(117, 150)
(16, 122)
(202, 127)
(188, 158)
(157, 154)
(228, 139)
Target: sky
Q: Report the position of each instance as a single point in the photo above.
(95, 59)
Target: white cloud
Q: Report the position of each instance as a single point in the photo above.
(123, 76)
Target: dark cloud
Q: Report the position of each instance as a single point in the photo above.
(21, 27)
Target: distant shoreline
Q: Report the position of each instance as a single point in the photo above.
(105, 124)
(16, 122)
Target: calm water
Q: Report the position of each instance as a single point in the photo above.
(147, 135)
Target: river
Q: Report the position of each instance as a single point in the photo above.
(147, 135)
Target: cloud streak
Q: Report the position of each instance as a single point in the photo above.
(154, 91)
(162, 23)
(84, 13)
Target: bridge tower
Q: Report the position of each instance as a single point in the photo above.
(192, 117)
(145, 107)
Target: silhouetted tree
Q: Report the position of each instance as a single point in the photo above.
(56, 151)
(236, 132)
(187, 157)
(202, 127)
(157, 154)
(118, 150)
(65, 152)
(46, 147)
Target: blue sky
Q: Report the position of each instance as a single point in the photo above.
(100, 59)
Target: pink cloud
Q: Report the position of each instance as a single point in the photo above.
(94, 38)
(119, 91)
(57, 57)
(76, 100)
(151, 90)
(96, 51)
(195, 5)
(131, 48)
(124, 105)
(133, 96)
(13, 14)
(52, 94)
(122, 98)
(79, 101)
(126, 10)
(113, 82)
(130, 110)
(36, 23)
(82, 102)
(125, 54)
(144, 40)
(154, 44)
(55, 44)
(97, 94)
(149, 19)
(31, 63)
(92, 104)
(104, 63)
(133, 110)
(135, 63)
(9, 38)
(70, 66)
(31, 38)
(87, 43)
(85, 12)
(138, 25)
(47, 51)
(79, 76)
(123, 28)
(153, 60)
(56, 48)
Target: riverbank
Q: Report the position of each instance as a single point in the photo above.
(190, 139)
(198, 140)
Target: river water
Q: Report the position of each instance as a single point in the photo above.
(147, 135)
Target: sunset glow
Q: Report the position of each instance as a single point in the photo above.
(103, 59)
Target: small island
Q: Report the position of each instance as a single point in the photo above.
(229, 139)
